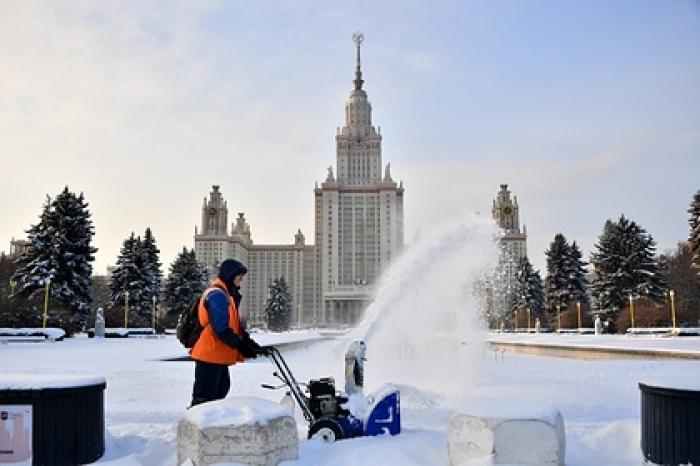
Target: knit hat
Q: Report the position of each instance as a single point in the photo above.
(229, 269)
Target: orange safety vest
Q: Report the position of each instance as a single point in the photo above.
(209, 347)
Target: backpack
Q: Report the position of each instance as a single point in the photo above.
(188, 327)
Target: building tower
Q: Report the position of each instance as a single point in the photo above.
(359, 213)
(358, 231)
(212, 245)
(513, 247)
(505, 212)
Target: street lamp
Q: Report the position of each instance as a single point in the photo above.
(578, 311)
(154, 299)
(672, 294)
(46, 300)
(528, 320)
(631, 310)
(126, 309)
(558, 317)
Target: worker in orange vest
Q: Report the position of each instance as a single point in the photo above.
(223, 341)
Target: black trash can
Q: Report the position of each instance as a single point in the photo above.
(66, 416)
(670, 424)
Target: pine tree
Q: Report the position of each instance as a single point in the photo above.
(556, 283)
(575, 271)
(278, 307)
(60, 252)
(683, 280)
(130, 276)
(503, 299)
(566, 275)
(694, 237)
(151, 265)
(186, 281)
(529, 288)
(625, 266)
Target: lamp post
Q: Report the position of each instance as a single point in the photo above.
(46, 300)
(154, 299)
(672, 294)
(631, 310)
(515, 320)
(558, 317)
(528, 320)
(578, 311)
(126, 309)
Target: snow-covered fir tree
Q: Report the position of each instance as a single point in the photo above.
(556, 284)
(502, 287)
(151, 265)
(566, 275)
(577, 283)
(60, 252)
(625, 266)
(694, 237)
(278, 307)
(186, 281)
(530, 292)
(129, 275)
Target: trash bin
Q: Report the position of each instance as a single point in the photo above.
(670, 422)
(54, 420)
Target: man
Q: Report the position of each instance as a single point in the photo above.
(223, 341)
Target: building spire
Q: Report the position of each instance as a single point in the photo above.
(358, 37)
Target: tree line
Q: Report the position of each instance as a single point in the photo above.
(58, 267)
(624, 271)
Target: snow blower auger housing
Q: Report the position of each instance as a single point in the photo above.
(322, 408)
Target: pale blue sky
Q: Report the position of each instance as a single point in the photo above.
(587, 109)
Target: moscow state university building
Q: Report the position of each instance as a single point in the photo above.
(358, 212)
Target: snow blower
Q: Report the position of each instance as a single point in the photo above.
(323, 407)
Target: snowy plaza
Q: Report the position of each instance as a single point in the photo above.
(425, 336)
(146, 395)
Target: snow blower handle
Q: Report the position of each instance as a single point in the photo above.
(285, 374)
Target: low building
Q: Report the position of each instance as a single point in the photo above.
(19, 247)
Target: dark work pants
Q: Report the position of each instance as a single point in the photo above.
(211, 382)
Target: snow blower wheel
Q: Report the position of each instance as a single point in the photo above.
(326, 430)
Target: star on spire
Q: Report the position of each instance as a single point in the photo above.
(357, 38)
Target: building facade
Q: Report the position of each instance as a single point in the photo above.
(358, 230)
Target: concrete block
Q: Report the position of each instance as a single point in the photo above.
(243, 430)
(507, 435)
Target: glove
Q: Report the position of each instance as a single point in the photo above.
(259, 350)
(247, 349)
(251, 349)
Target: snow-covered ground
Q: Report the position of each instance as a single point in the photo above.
(146, 396)
(688, 344)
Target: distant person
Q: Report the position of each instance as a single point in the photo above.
(223, 341)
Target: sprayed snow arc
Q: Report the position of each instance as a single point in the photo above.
(424, 328)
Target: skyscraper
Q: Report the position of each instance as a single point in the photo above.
(358, 229)
(359, 213)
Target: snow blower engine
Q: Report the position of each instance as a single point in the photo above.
(323, 407)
